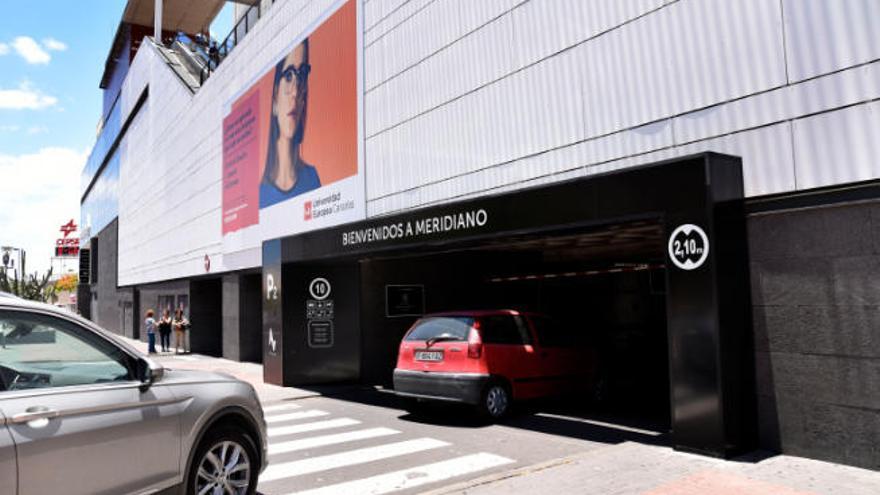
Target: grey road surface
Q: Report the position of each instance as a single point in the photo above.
(355, 440)
(363, 441)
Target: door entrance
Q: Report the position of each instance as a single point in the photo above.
(521, 247)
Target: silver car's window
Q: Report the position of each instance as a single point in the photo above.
(39, 351)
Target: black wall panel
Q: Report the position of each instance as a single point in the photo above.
(206, 315)
(816, 309)
(321, 345)
(107, 302)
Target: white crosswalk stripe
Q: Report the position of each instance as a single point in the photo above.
(414, 477)
(280, 418)
(324, 440)
(349, 458)
(360, 458)
(280, 407)
(308, 427)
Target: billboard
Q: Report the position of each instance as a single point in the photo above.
(292, 158)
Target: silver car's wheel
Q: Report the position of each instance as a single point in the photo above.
(225, 467)
(496, 401)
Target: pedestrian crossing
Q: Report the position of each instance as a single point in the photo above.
(280, 418)
(312, 452)
(348, 458)
(280, 407)
(307, 427)
(324, 440)
(414, 477)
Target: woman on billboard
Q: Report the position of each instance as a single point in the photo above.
(286, 173)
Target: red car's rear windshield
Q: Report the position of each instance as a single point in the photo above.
(445, 327)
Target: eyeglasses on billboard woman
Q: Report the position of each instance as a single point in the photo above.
(286, 173)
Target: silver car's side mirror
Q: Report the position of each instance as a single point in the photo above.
(149, 372)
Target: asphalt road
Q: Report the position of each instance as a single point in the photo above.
(354, 440)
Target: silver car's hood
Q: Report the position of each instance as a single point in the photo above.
(172, 375)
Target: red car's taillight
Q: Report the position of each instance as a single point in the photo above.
(475, 343)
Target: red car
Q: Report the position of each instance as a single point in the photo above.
(490, 358)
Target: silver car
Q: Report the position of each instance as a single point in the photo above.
(82, 412)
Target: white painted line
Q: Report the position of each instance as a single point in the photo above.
(337, 438)
(307, 427)
(413, 477)
(278, 418)
(350, 458)
(280, 407)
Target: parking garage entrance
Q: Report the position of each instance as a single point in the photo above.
(602, 289)
(646, 266)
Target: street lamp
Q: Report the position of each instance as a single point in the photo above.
(8, 262)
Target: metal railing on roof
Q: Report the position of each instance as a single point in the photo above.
(217, 53)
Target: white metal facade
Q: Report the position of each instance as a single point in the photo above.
(471, 97)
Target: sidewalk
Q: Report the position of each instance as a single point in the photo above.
(249, 372)
(633, 468)
(619, 469)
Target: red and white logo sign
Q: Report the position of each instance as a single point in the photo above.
(68, 228)
(67, 246)
(307, 214)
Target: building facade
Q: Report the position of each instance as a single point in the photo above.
(469, 123)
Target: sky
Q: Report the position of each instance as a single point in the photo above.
(52, 56)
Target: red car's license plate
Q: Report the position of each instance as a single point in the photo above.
(429, 355)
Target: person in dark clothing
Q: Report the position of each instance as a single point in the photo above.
(214, 55)
(165, 331)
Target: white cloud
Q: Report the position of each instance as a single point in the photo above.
(30, 50)
(25, 97)
(54, 45)
(37, 129)
(38, 193)
(4, 48)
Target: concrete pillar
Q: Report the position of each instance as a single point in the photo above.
(242, 317)
(232, 317)
(157, 21)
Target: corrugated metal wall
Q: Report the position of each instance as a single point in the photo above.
(465, 98)
(471, 97)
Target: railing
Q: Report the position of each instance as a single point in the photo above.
(216, 54)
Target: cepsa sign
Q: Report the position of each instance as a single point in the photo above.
(67, 245)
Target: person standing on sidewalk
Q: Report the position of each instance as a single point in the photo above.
(165, 331)
(150, 325)
(180, 325)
